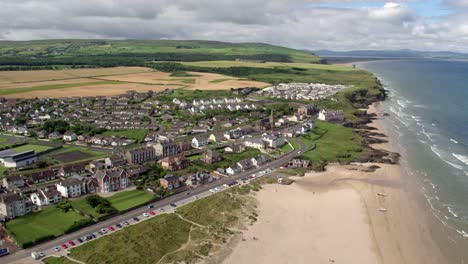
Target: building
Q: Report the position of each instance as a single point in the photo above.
(170, 182)
(299, 163)
(198, 142)
(42, 176)
(114, 161)
(233, 170)
(165, 149)
(174, 163)
(235, 148)
(19, 160)
(331, 115)
(69, 136)
(273, 140)
(245, 164)
(12, 205)
(70, 188)
(304, 110)
(199, 179)
(47, 196)
(256, 143)
(141, 155)
(211, 156)
(90, 185)
(111, 180)
(67, 171)
(259, 160)
(13, 181)
(216, 137)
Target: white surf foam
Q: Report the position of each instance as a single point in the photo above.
(454, 141)
(461, 158)
(462, 233)
(452, 212)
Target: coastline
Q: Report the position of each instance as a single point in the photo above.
(385, 222)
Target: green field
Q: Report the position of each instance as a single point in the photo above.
(168, 238)
(82, 205)
(67, 148)
(50, 221)
(333, 143)
(136, 134)
(36, 148)
(128, 199)
(2, 140)
(222, 64)
(286, 148)
(54, 86)
(56, 260)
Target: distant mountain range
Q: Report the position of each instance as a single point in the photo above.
(392, 54)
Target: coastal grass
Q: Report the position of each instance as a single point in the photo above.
(36, 148)
(135, 134)
(181, 237)
(147, 242)
(128, 199)
(54, 87)
(50, 221)
(225, 64)
(333, 143)
(58, 260)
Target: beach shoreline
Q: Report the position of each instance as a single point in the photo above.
(386, 223)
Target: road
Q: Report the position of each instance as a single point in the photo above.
(165, 203)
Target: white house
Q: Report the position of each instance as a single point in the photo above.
(331, 115)
(46, 197)
(273, 141)
(198, 142)
(233, 170)
(69, 136)
(256, 143)
(70, 188)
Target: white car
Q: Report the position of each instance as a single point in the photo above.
(216, 189)
(56, 249)
(195, 197)
(212, 190)
(146, 215)
(41, 254)
(225, 185)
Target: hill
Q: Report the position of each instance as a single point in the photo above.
(108, 53)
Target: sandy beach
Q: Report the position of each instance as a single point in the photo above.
(343, 215)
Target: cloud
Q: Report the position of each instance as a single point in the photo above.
(305, 24)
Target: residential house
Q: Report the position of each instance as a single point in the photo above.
(216, 137)
(233, 170)
(69, 136)
(255, 142)
(111, 180)
(211, 156)
(331, 115)
(198, 142)
(309, 109)
(13, 181)
(46, 196)
(70, 188)
(245, 164)
(235, 148)
(199, 179)
(259, 160)
(114, 161)
(70, 170)
(174, 163)
(12, 205)
(90, 185)
(141, 155)
(170, 182)
(273, 140)
(42, 134)
(55, 135)
(42, 176)
(165, 149)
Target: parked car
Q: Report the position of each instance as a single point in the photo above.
(195, 197)
(111, 228)
(118, 225)
(145, 214)
(41, 254)
(173, 205)
(80, 240)
(150, 206)
(152, 213)
(126, 223)
(136, 219)
(56, 249)
(64, 246)
(71, 243)
(104, 231)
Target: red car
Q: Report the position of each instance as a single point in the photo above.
(71, 243)
(152, 213)
(64, 246)
(111, 228)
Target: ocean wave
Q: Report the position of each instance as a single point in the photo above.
(454, 165)
(420, 106)
(452, 212)
(454, 141)
(462, 233)
(438, 152)
(461, 158)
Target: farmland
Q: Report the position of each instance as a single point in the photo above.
(224, 64)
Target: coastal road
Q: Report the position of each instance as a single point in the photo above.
(164, 203)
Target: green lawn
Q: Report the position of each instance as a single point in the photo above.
(67, 148)
(54, 86)
(136, 134)
(60, 260)
(333, 143)
(47, 222)
(83, 206)
(36, 148)
(286, 148)
(2, 140)
(128, 199)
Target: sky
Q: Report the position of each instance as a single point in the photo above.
(432, 25)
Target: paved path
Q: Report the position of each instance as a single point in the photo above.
(178, 199)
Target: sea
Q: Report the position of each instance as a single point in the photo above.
(428, 118)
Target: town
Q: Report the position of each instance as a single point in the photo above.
(152, 145)
(297, 91)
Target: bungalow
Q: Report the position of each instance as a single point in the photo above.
(67, 171)
(216, 137)
(47, 196)
(174, 163)
(69, 136)
(55, 135)
(13, 181)
(170, 182)
(198, 142)
(70, 188)
(235, 148)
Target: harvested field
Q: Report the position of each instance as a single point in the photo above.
(43, 83)
(71, 156)
(8, 77)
